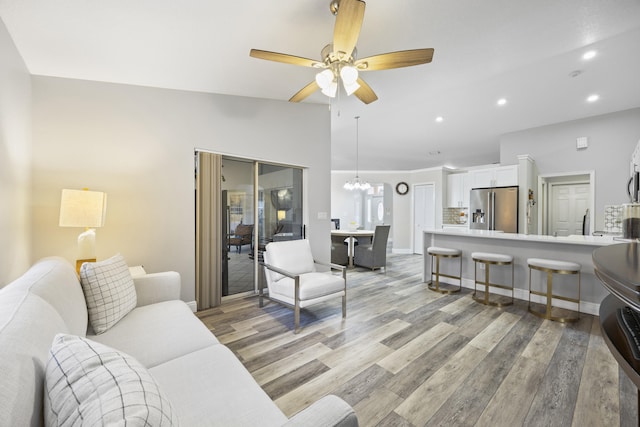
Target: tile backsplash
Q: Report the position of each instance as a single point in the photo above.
(455, 215)
(613, 218)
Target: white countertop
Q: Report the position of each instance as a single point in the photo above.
(572, 240)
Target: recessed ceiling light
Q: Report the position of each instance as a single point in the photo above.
(439, 119)
(589, 55)
(593, 98)
(502, 101)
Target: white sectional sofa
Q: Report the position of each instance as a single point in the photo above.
(201, 378)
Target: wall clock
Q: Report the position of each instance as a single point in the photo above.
(402, 188)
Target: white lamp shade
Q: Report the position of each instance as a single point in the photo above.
(331, 90)
(350, 87)
(324, 78)
(349, 74)
(82, 208)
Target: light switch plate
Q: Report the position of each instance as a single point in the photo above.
(582, 142)
(322, 215)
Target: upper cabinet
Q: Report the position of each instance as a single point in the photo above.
(458, 186)
(501, 176)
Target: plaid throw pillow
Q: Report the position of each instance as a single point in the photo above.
(88, 383)
(109, 291)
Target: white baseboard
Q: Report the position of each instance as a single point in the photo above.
(193, 306)
(522, 294)
(402, 251)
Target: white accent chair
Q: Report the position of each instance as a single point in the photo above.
(293, 279)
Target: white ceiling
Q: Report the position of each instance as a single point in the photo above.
(484, 50)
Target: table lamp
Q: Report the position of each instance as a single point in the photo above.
(83, 208)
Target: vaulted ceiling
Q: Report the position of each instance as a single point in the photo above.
(528, 52)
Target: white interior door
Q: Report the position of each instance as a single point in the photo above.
(569, 203)
(424, 213)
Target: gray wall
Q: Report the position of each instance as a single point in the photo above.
(15, 160)
(137, 144)
(612, 139)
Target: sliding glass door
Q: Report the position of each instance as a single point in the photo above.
(241, 206)
(280, 215)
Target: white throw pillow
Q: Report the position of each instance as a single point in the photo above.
(88, 383)
(109, 291)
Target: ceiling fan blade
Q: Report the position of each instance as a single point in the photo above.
(283, 57)
(365, 93)
(348, 24)
(305, 91)
(403, 58)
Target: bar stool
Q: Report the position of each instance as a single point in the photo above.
(438, 253)
(489, 259)
(552, 267)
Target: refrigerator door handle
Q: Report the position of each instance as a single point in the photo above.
(492, 196)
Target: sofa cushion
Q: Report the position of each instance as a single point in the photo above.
(54, 279)
(210, 387)
(157, 333)
(91, 384)
(293, 256)
(109, 291)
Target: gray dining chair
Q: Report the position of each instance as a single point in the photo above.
(373, 255)
(339, 251)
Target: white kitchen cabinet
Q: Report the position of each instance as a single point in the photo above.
(500, 176)
(506, 176)
(458, 190)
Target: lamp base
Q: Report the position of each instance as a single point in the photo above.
(79, 263)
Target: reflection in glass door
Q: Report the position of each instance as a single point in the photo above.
(237, 226)
(276, 208)
(280, 215)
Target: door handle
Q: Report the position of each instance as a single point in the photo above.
(493, 210)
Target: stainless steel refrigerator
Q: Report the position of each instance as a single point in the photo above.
(494, 209)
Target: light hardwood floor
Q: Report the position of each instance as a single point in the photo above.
(407, 356)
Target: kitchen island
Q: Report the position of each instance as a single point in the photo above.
(523, 246)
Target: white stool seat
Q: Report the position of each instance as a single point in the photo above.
(491, 257)
(435, 250)
(552, 264)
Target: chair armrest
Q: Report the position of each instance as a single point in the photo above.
(328, 411)
(333, 266)
(281, 271)
(157, 287)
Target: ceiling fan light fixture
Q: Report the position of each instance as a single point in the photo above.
(331, 89)
(325, 78)
(350, 88)
(349, 74)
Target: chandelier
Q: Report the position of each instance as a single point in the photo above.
(356, 184)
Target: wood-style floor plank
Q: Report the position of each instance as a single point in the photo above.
(408, 356)
(599, 378)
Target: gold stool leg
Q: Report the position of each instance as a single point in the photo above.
(475, 277)
(460, 274)
(438, 272)
(486, 283)
(512, 281)
(549, 293)
(436, 286)
(547, 313)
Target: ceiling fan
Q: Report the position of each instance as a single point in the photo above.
(339, 59)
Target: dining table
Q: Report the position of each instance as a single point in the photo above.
(352, 235)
